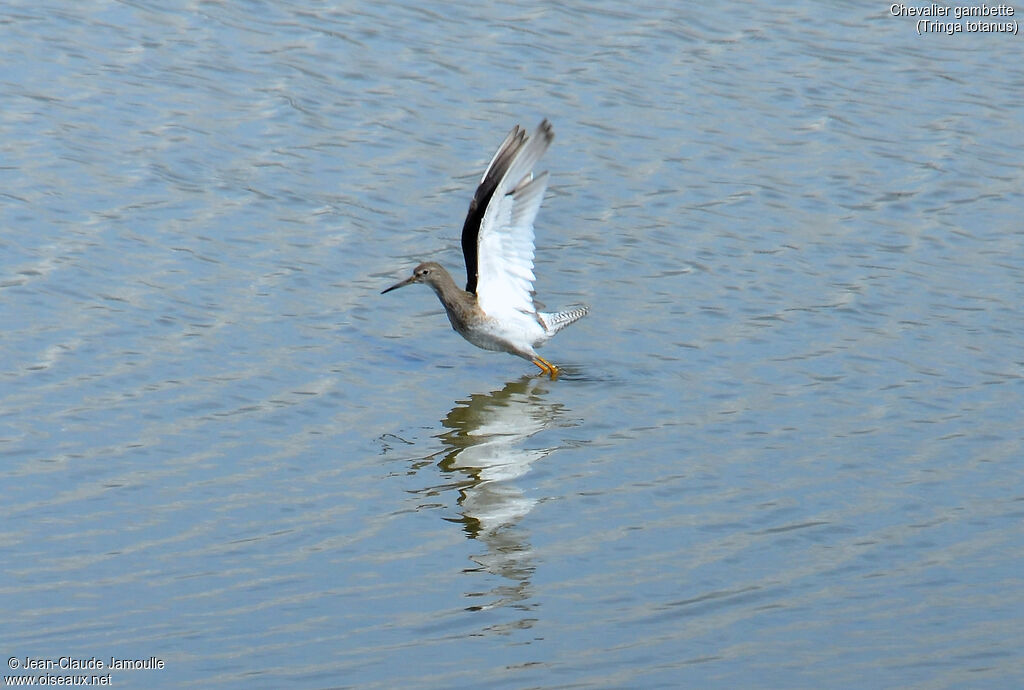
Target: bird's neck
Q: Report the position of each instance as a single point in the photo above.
(459, 304)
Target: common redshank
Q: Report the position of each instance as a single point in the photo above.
(496, 310)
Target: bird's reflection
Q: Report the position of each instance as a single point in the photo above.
(484, 443)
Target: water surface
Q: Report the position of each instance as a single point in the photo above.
(786, 450)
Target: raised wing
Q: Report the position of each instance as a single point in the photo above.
(504, 241)
(496, 169)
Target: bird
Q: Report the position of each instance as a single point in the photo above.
(496, 311)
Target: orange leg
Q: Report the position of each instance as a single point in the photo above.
(546, 367)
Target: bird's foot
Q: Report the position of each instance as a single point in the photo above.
(546, 367)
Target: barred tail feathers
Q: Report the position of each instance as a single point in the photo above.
(554, 322)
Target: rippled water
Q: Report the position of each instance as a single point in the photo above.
(786, 450)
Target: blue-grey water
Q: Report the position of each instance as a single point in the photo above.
(787, 449)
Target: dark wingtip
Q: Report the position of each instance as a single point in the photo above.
(546, 130)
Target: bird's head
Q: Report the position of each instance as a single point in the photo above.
(426, 272)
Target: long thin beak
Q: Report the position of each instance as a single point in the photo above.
(407, 281)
